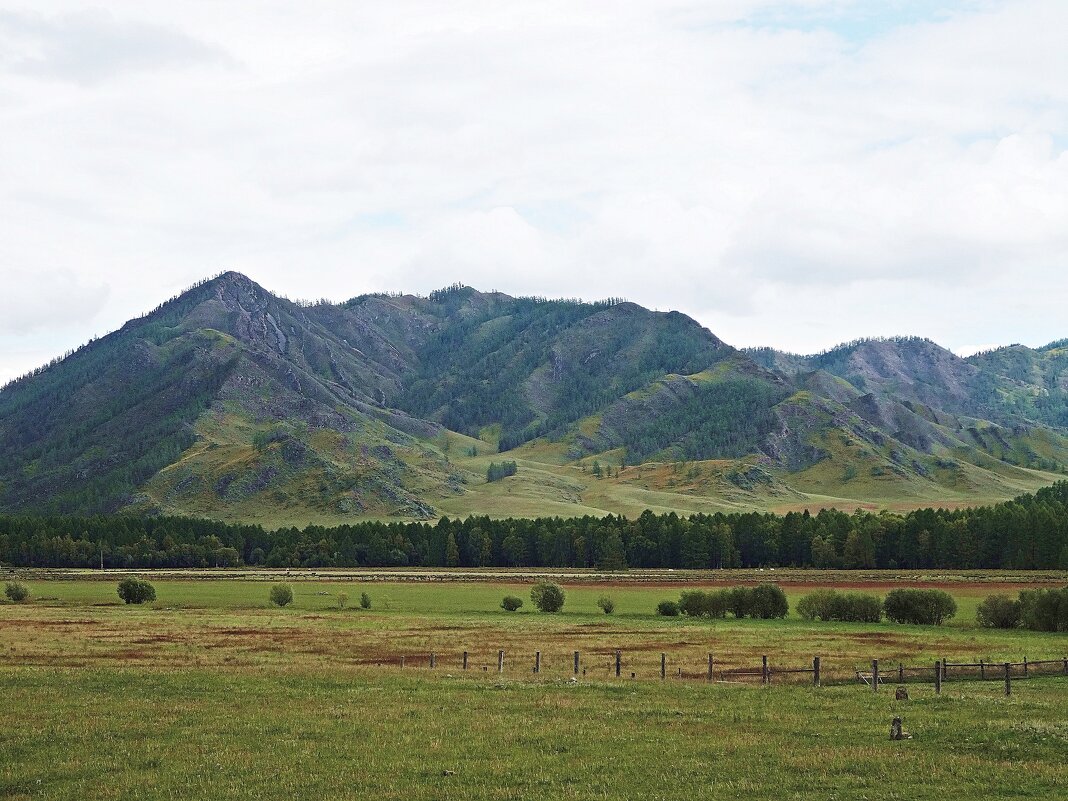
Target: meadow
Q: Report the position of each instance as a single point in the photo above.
(210, 692)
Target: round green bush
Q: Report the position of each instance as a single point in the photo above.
(16, 591)
(692, 603)
(768, 602)
(136, 591)
(999, 612)
(1044, 610)
(667, 609)
(919, 607)
(547, 596)
(511, 603)
(816, 605)
(739, 601)
(281, 595)
(606, 604)
(365, 601)
(697, 603)
(858, 607)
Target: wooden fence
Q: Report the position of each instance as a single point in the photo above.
(618, 665)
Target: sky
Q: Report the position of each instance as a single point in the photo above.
(793, 174)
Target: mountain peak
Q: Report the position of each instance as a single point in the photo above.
(233, 278)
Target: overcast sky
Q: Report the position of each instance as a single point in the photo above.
(792, 174)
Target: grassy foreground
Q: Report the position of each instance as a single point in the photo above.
(210, 693)
(110, 733)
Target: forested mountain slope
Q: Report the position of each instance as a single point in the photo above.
(231, 402)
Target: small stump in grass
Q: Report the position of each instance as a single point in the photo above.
(898, 733)
(902, 694)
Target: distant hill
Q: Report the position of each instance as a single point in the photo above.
(231, 402)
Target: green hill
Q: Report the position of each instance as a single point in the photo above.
(233, 403)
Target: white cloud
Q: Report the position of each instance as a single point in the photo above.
(90, 46)
(760, 165)
(47, 299)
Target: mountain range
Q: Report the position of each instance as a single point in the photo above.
(233, 403)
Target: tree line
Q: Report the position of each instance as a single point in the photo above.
(1029, 532)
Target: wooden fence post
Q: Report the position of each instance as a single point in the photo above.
(710, 666)
(945, 668)
(465, 660)
(982, 669)
(1008, 680)
(537, 661)
(402, 661)
(663, 666)
(576, 662)
(765, 675)
(500, 661)
(1025, 667)
(938, 677)
(619, 662)
(875, 675)
(900, 673)
(433, 659)
(1066, 666)
(816, 671)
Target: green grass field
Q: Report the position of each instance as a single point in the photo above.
(209, 692)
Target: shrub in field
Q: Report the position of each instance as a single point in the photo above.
(768, 602)
(697, 603)
(667, 609)
(763, 601)
(365, 601)
(1044, 610)
(342, 600)
(495, 472)
(717, 603)
(511, 603)
(846, 606)
(281, 595)
(739, 601)
(998, 612)
(922, 607)
(16, 591)
(816, 605)
(692, 603)
(547, 596)
(858, 607)
(607, 605)
(136, 591)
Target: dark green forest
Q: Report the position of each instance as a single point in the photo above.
(721, 420)
(110, 443)
(1029, 532)
(473, 371)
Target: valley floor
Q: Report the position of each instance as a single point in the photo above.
(209, 692)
